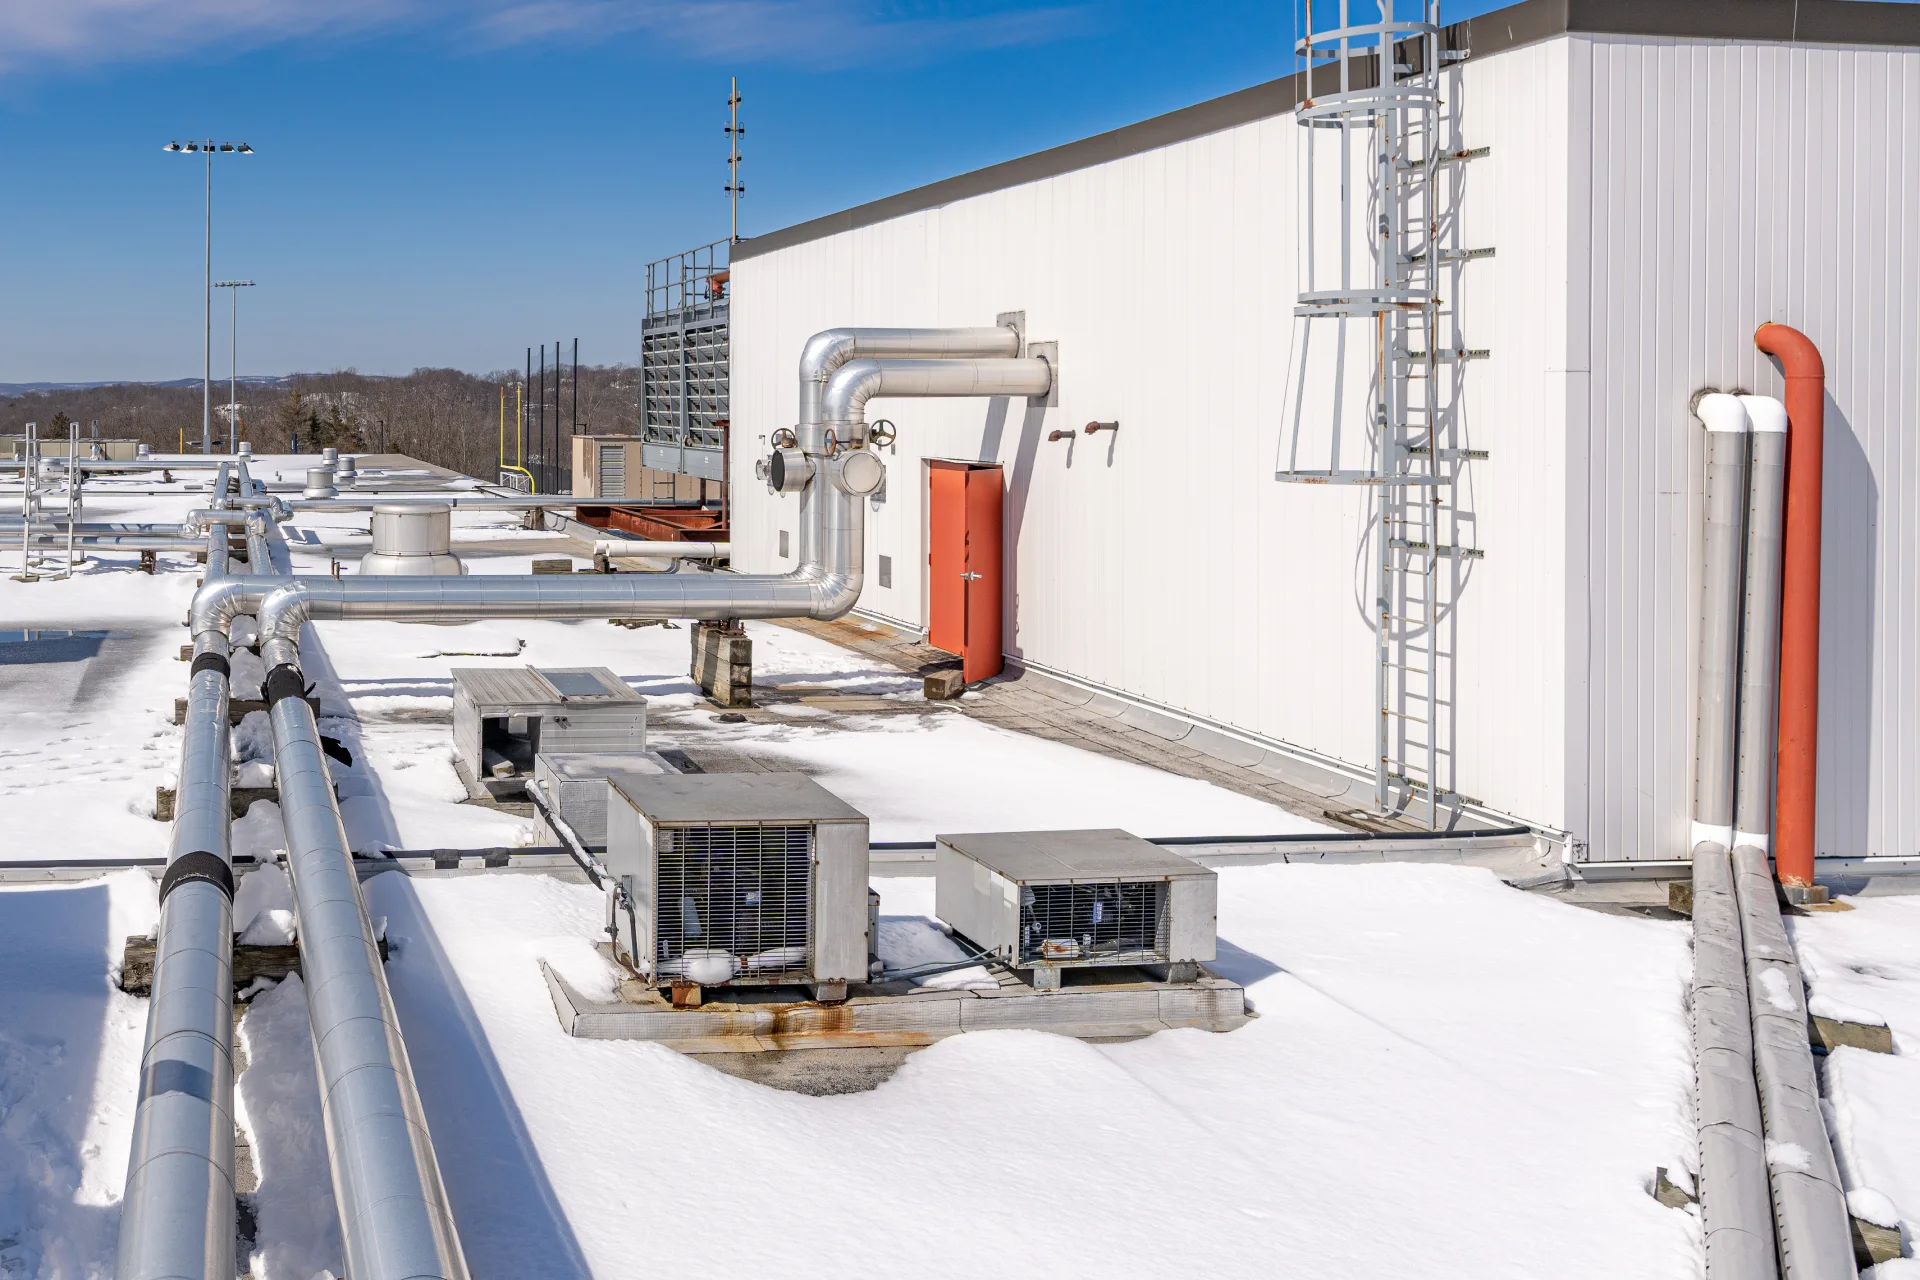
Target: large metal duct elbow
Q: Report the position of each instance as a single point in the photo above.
(1799, 714)
(221, 600)
(828, 350)
(855, 383)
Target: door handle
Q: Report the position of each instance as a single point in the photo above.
(973, 577)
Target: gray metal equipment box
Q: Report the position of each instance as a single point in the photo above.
(1052, 900)
(575, 787)
(504, 717)
(738, 879)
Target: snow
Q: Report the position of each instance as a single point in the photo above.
(69, 1066)
(1863, 965)
(1449, 1078)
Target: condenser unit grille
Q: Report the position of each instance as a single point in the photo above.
(734, 897)
(1068, 922)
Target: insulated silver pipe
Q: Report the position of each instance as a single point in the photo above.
(1717, 697)
(395, 1221)
(829, 349)
(858, 381)
(177, 1217)
(637, 550)
(1736, 1213)
(1810, 1217)
(1760, 630)
(488, 503)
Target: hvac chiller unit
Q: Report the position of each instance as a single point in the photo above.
(1054, 900)
(574, 786)
(738, 879)
(503, 717)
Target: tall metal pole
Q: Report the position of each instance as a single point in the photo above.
(573, 415)
(734, 189)
(233, 377)
(206, 378)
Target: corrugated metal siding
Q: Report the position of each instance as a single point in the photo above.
(1735, 184)
(1164, 560)
(1651, 202)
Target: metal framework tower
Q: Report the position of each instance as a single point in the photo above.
(1381, 254)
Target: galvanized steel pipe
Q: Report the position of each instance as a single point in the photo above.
(829, 349)
(854, 383)
(395, 1220)
(1720, 610)
(1760, 627)
(177, 1216)
(1809, 1207)
(1735, 1210)
(637, 550)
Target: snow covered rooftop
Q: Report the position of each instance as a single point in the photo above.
(1445, 1076)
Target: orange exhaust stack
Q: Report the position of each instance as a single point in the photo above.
(1799, 721)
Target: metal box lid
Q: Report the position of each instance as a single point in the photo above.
(1042, 857)
(733, 798)
(542, 686)
(593, 766)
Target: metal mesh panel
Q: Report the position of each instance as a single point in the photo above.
(1093, 922)
(735, 897)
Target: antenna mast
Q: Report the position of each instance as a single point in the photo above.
(734, 188)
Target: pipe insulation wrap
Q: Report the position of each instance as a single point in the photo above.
(829, 349)
(1809, 1206)
(395, 1221)
(1760, 623)
(859, 381)
(1720, 613)
(177, 1218)
(1735, 1210)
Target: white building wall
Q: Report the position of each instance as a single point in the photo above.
(1735, 184)
(1637, 248)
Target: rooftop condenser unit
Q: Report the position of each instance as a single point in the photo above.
(573, 786)
(737, 879)
(1048, 901)
(504, 717)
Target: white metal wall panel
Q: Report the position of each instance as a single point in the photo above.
(1650, 201)
(1164, 560)
(1735, 184)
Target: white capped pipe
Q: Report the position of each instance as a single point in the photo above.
(1760, 628)
(638, 550)
(1718, 694)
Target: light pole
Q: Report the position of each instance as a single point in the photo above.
(206, 383)
(233, 362)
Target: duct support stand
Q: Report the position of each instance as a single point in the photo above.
(723, 663)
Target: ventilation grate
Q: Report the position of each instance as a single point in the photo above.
(734, 903)
(1088, 921)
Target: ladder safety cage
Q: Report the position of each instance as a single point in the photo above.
(1377, 399)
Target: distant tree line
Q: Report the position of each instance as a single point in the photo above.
(442, 416)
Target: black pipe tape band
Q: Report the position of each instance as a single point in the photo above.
(170, 1075)
(210, 662)
(208, 867)
(285, 681)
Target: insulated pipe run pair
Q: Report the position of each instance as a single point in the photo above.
(1739, 620)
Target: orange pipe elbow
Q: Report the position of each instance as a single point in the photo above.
(1799, 713)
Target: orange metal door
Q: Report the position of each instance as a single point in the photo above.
(947, 556)
(980, 656)
(963, 565)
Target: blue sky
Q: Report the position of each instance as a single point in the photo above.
(440, 182)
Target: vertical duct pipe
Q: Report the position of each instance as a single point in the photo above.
(1760, 627)
(1720, 610)
(1799, 714)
